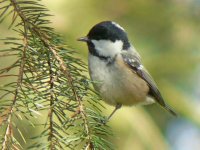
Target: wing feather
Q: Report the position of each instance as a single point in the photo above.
(135, 64)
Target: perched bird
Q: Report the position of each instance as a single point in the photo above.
(115, 66)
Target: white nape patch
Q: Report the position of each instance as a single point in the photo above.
(117, 25)
(108, 48)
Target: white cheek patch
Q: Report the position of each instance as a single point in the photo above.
(107, 47)
(117, 25)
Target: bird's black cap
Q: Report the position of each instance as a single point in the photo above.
(108, 30)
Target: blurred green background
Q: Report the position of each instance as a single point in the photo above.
(167, 35)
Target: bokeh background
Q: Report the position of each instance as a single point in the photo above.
(167, 35)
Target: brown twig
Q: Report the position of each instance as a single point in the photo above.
(8, 75)
(51, 105)
(19, 82)
(7, 54)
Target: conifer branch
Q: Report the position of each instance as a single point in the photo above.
(49, 79)
(9, 131)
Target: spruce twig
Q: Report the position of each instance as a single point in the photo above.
(50, 79)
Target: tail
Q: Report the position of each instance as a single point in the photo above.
(170, 110)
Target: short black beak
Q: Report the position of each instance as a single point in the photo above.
(83, 39)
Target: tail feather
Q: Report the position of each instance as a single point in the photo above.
(169, 109)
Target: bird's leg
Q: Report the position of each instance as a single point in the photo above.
(118, 106)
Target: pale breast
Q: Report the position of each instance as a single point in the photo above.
(116, 83)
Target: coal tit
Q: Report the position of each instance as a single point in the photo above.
(116, 66)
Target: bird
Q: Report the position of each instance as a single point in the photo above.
(116, 69)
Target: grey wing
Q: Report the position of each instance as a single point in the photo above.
(134, 63)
